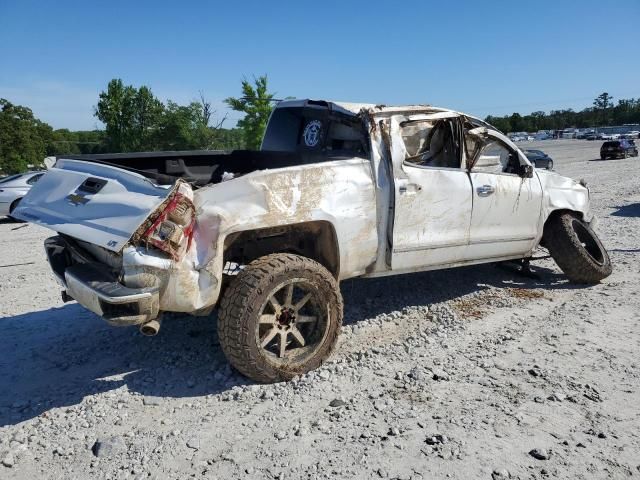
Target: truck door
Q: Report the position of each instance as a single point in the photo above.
(433, 197)
(507, 197)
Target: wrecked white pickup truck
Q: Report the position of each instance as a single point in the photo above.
(337, 191)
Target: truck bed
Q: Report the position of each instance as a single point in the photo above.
(199, 167)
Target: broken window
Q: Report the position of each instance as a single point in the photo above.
(496, 157)
(431, 143)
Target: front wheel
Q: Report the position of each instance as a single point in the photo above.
(550, 165)
(280, 317)
(576, 249)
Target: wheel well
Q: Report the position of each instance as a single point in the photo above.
(13, 204)
(315, 240)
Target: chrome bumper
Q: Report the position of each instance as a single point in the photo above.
(117, 304)
(95, 288)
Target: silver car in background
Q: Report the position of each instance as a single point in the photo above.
(13, 188)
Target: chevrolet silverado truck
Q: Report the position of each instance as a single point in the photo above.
(337, 191)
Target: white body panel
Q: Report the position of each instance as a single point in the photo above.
(505, 221)
(429, 228)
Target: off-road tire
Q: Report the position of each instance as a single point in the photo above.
(240, 310)
(564, 235)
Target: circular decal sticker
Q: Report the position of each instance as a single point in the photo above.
(312, 132)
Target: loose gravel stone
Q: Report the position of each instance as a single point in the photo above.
(109, 446)
(539, 454)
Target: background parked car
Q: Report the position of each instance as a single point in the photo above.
(618, 149)
(539, 159)
(13, 188)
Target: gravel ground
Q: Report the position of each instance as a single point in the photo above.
(468, 373)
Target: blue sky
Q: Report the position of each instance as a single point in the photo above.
(479, 57)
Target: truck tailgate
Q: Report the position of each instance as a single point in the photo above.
(97, 203)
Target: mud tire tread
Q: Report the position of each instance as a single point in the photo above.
(239, 310)
(568, 252)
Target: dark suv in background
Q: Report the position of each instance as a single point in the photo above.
(618, 149)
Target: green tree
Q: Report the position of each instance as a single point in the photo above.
(23, 138)
(256, 104)
(517, 123)
(187, 127)
(603, 101)
(603, 104)
(501, 123)
(131, 116)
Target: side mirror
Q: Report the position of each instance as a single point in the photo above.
(525, 171)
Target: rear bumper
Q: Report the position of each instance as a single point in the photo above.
(117, 304)
(96, 288)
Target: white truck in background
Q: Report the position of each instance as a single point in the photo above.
(337, 191)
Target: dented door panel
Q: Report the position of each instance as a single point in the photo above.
(504, 221)
(432, 206)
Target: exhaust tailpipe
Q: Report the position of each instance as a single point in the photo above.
(151, 328)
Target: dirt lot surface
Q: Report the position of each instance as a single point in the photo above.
(469, 373)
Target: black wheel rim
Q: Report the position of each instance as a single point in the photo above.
(589, 242)
(293, 322)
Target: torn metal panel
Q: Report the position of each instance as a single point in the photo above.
(563, 193)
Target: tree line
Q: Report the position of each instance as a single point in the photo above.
(135, 120)
(602, 113)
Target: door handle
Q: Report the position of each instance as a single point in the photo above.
(409, 188)
(485, 190)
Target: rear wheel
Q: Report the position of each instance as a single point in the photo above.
(280, 317)
(603, 157)
(576, 249)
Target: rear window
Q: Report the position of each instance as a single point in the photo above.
(34, 179)
(611, 144)
(315, 131)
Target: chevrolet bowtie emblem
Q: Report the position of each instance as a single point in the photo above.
(77, 199)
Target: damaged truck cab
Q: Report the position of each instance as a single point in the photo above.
(337, 191)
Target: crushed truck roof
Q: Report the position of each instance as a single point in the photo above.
(351, 108)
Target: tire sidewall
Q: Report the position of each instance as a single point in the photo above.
(568, 252)
(605, 255)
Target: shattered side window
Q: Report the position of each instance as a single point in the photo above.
(495, 157)
(414, 135)
(431, 143)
